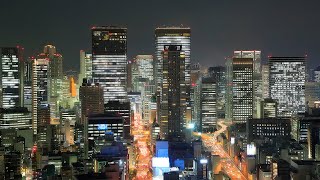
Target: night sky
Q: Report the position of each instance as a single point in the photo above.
(277, 27)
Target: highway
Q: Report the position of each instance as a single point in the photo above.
(226, 163)
(142, 147)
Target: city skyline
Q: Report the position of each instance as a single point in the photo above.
(286, 31)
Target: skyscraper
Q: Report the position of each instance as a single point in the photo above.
(173, 97)
(109, 61)
(40, 88)
(218, 74)
(265, 81)
(242, 89)
(257, 77)
(208, 104)
(316, 74)
(172, 36)
(10, 77)
(287, 84)
(91, 99)
(254, 54)
(85, 66)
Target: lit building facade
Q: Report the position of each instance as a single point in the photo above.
(265, 81)
(269, 108)
(312, 93)
(287, 84)
(109, 61)
(11, 62)
(268, 127)
(85, 66)
(242, 89)
(218, 74)
(173, 97)
(17, 118)
(91, 99)
(316, 74)
(254, 54)
(208, 104)
(40, 88)
(171, 36)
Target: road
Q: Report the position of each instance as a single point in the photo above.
(142, 148)
(226, 163)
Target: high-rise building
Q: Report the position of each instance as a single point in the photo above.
(165, 36)
(254, 54)
(55, 77)
(242, 89)
(287, 84)
(316, 74)
(265, 81)
(91, 99)
(312, 93)
(27, 83)
(195, 78)
(229, 94)
(10, 77)
(257, 77)
(85, 66)
(40, 88)
(269, 108)
(208, 104)
(109, 61)
(123, 109)
(141, 72)
(174, 96)
(145, 66)
(218, 74)
(17, 118)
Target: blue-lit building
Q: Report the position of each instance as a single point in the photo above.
(101, 129)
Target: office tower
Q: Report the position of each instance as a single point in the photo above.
(287, 84)
(173, 97)
(229, 94)
(40, 87)
(109, 61)
(10, 77)
(148, 103)
(316, 74)
(27, 83)
(268, 108)
(195, 73)
(56, 75)
(208, 104)
(165, 36)
(312, 93)
(67, 126)
(257, 76)
(85, 66)
(141, 69)
(91, 99)
(145, 66)
(218, 74)
(242, 89)
(195, 79)
(17, 118)
(173, 36)
(101, 128)
(254, 54)
(265, 81)
(196, 105)
(268, 128)
(123, 109)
